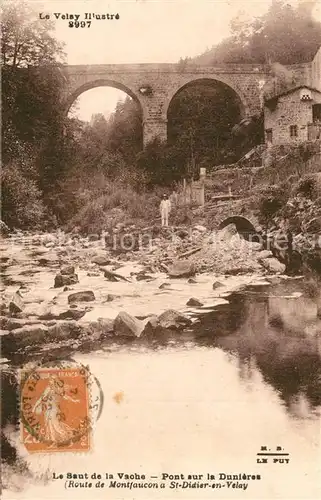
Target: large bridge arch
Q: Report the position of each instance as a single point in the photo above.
(244, 107)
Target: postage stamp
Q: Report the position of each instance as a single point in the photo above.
(55, 409)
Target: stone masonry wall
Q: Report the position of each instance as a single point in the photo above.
(290, 110)
(165, 81)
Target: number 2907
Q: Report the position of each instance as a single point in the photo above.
(79, 24)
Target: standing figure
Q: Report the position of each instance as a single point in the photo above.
(55, 429)
(165, 208)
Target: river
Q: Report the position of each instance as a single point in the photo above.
(246, 375)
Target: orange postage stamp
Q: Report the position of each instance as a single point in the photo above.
(54, 409)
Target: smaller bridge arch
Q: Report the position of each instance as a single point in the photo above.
(243, 226)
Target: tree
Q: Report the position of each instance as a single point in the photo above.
(31, 113)
(26, 39)
(200, 119)
(285, 34)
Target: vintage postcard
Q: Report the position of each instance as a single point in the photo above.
(161, 249)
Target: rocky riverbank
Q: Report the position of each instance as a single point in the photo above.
(63, 293)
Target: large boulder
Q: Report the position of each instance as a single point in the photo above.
(86, 296)
(23, 337)
(65, 280)
(273, 265)
(126, 325)
(173, 319)
(14, 323)
(33, 336)
(182, 269)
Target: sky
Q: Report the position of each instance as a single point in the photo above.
(147, 31)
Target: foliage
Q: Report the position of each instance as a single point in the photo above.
(162, 163)
(115, 202)
(286, 34)
(309, 186)
(32, 83)
(22, 205)
(270, 200)
(80, 171)
(27, 40)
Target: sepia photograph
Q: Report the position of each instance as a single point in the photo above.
(160, 239)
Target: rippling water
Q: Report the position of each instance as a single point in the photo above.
(246, 375)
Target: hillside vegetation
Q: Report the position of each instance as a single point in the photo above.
(58, 170)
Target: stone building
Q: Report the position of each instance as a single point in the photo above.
(292, 110)
(293, 116)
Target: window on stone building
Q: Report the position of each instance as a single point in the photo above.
(269, 135)
(316, 113)
(293, 131)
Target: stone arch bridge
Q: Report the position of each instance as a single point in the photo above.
(155, 85)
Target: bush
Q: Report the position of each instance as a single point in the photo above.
(270, 200)
(308, 186)
(22, 205)
(119, 203)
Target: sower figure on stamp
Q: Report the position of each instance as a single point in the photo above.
(165, 208)
(55, 429)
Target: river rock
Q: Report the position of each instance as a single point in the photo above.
(144, 277)
(48, 259)
(67, 270)
(273, 265)
(63, 330)
(23, 337)
(104, 326)
(216, 285)
(194, 302)
(110, 297)
(16, 304)
(128, 326)
(56, 313)
(61, 280)
(152, 329)
(182, 269)
(14, 323)
(164, 286)
(101, 260)
(86, 296)
(192, 281)
(173, 319)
